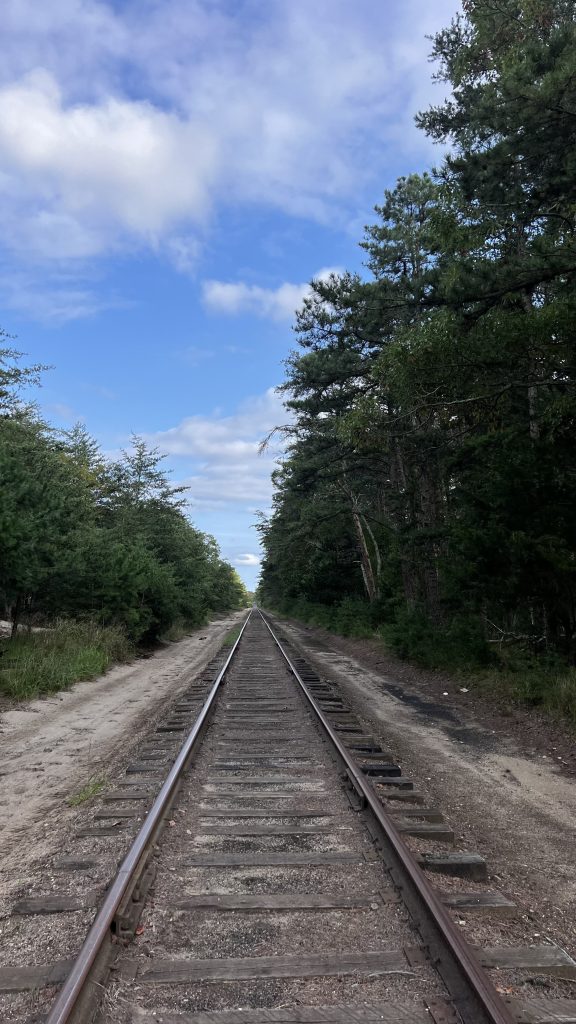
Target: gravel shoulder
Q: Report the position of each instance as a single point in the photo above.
(50, 748)
(505, 790)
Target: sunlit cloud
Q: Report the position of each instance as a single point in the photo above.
(275, 303)
(127, 131)
(225, 466)
(247, 560)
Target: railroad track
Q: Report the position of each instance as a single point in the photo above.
(268, 883)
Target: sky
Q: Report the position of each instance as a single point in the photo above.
(173, 173)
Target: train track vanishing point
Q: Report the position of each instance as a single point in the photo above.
(282, 885)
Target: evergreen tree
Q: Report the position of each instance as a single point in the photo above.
(435, 402)
(83, 537)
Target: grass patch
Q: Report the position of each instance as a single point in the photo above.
(92, 788)
(32, 664)
(550, 688)
(177, 631)
(232, 636)
(560, 697)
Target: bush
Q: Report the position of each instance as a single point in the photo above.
(459, 644)
(54, 659)
(351, 617)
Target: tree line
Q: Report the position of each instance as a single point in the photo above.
(429, 485)
(85, 537)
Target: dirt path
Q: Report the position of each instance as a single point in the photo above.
(50, 748)
(513, 806)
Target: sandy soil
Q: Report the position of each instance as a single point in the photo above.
(502, 796)
(50, 748)
(456, 699)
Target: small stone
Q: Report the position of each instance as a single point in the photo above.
(539, 981)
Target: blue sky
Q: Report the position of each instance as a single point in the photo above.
(172, 174)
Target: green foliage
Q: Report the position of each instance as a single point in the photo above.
(232, 636)
(89, 539)
(350, 617)
(559, 694)
(53, 659)
(14, 379)
(520, 678)
(431, 471)
(93, 788)
(460, 644)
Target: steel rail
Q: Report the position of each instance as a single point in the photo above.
(69, 995)
(493, 1010)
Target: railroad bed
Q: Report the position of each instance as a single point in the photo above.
(279, 890)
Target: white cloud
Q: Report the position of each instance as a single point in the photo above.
(54, 298)
(227, 486)
(222, 452)
(222, 437)
(247, 560)
(123, 126)
(217, 457)
(276, 303)
(184, 251)
(98, 168)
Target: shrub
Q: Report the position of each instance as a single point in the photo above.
(460, 643)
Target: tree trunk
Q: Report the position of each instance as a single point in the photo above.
(367, 571)
(16, 612)
(377, 555)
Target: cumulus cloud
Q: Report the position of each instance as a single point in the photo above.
(223, 453)
(247, 560)
(217, 457)
(221, 437)
(275, 303)
(97, 167)
(125, 125)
